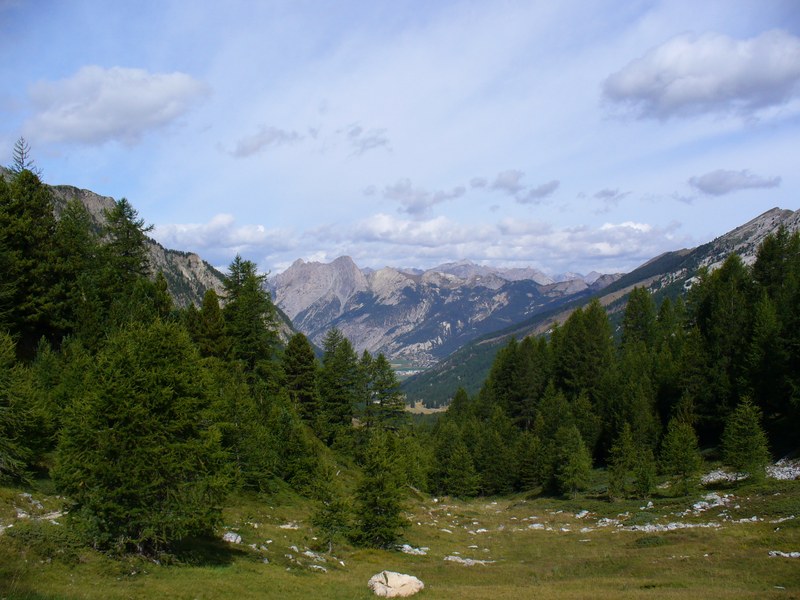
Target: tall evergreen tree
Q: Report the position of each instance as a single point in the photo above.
(379, 496)
(137, 456)
(27, 230)
(301, 371)
(339, 383)
(744, 443)
(680, 455)
(250, 317)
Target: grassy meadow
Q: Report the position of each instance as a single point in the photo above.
(523, 547)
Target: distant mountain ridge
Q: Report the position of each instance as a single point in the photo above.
(415, 316)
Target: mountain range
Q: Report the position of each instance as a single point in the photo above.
(417, 317)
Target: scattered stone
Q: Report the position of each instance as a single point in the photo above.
(232, 537)
(318, 568)
(654, 528)
(784, 470)
(289, 525)
(446, 530)
(407, 549)
(581, 514)
(468, 562)
(390, 584)
(784, 554)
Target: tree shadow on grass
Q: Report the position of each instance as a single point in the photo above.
(207, 552)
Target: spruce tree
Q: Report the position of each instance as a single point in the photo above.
(573, 463)
(680, 455)
(301, 372)
(379, 496)
(339, 385)
(744, 443)
(15, 417)
(137, 456)
(250, 318)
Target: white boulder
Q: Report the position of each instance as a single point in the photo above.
(389, 584)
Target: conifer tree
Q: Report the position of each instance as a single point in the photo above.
(250, 318)
(301, 372)
(339, 383)
(15, 416)
(27, 230)
(453, 470)
(621, 461)
(331, 516)
(680, 455)
(573, 464)
(137, 456)
(379, 496)
(209, 331)
(385, 396)
(744, 443)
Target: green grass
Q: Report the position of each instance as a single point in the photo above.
(582, 561)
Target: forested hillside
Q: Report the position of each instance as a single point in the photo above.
(709, 371)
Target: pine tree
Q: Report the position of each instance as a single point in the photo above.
(379, 497)
(679, 453)
(621, 461)
(331, 517)
(15, 416)
(250, 318)
(573, 464)
(386, 397)
(22, 159)
(301, 372)
(453, 470)
(339, 384)
(744, 443)
(27, 233)
(639, 322)
(209, 331)
(137, 456)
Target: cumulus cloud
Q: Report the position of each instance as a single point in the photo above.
(709, 73)
(221, 238)
(721, 182)
(417, 201)
(98, 105)
(264, 137)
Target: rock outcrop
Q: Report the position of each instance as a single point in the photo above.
(390, 584)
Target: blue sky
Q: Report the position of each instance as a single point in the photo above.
(575, 135)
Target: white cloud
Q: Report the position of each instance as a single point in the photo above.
(98, 105)
(383, 239)
(264, 137)
(710, 73)
(721, 181)
(221, 238)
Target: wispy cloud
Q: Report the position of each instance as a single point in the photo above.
(417, 201)
(263, 138)
(710, 73)
(98, 105)
(721, 182)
